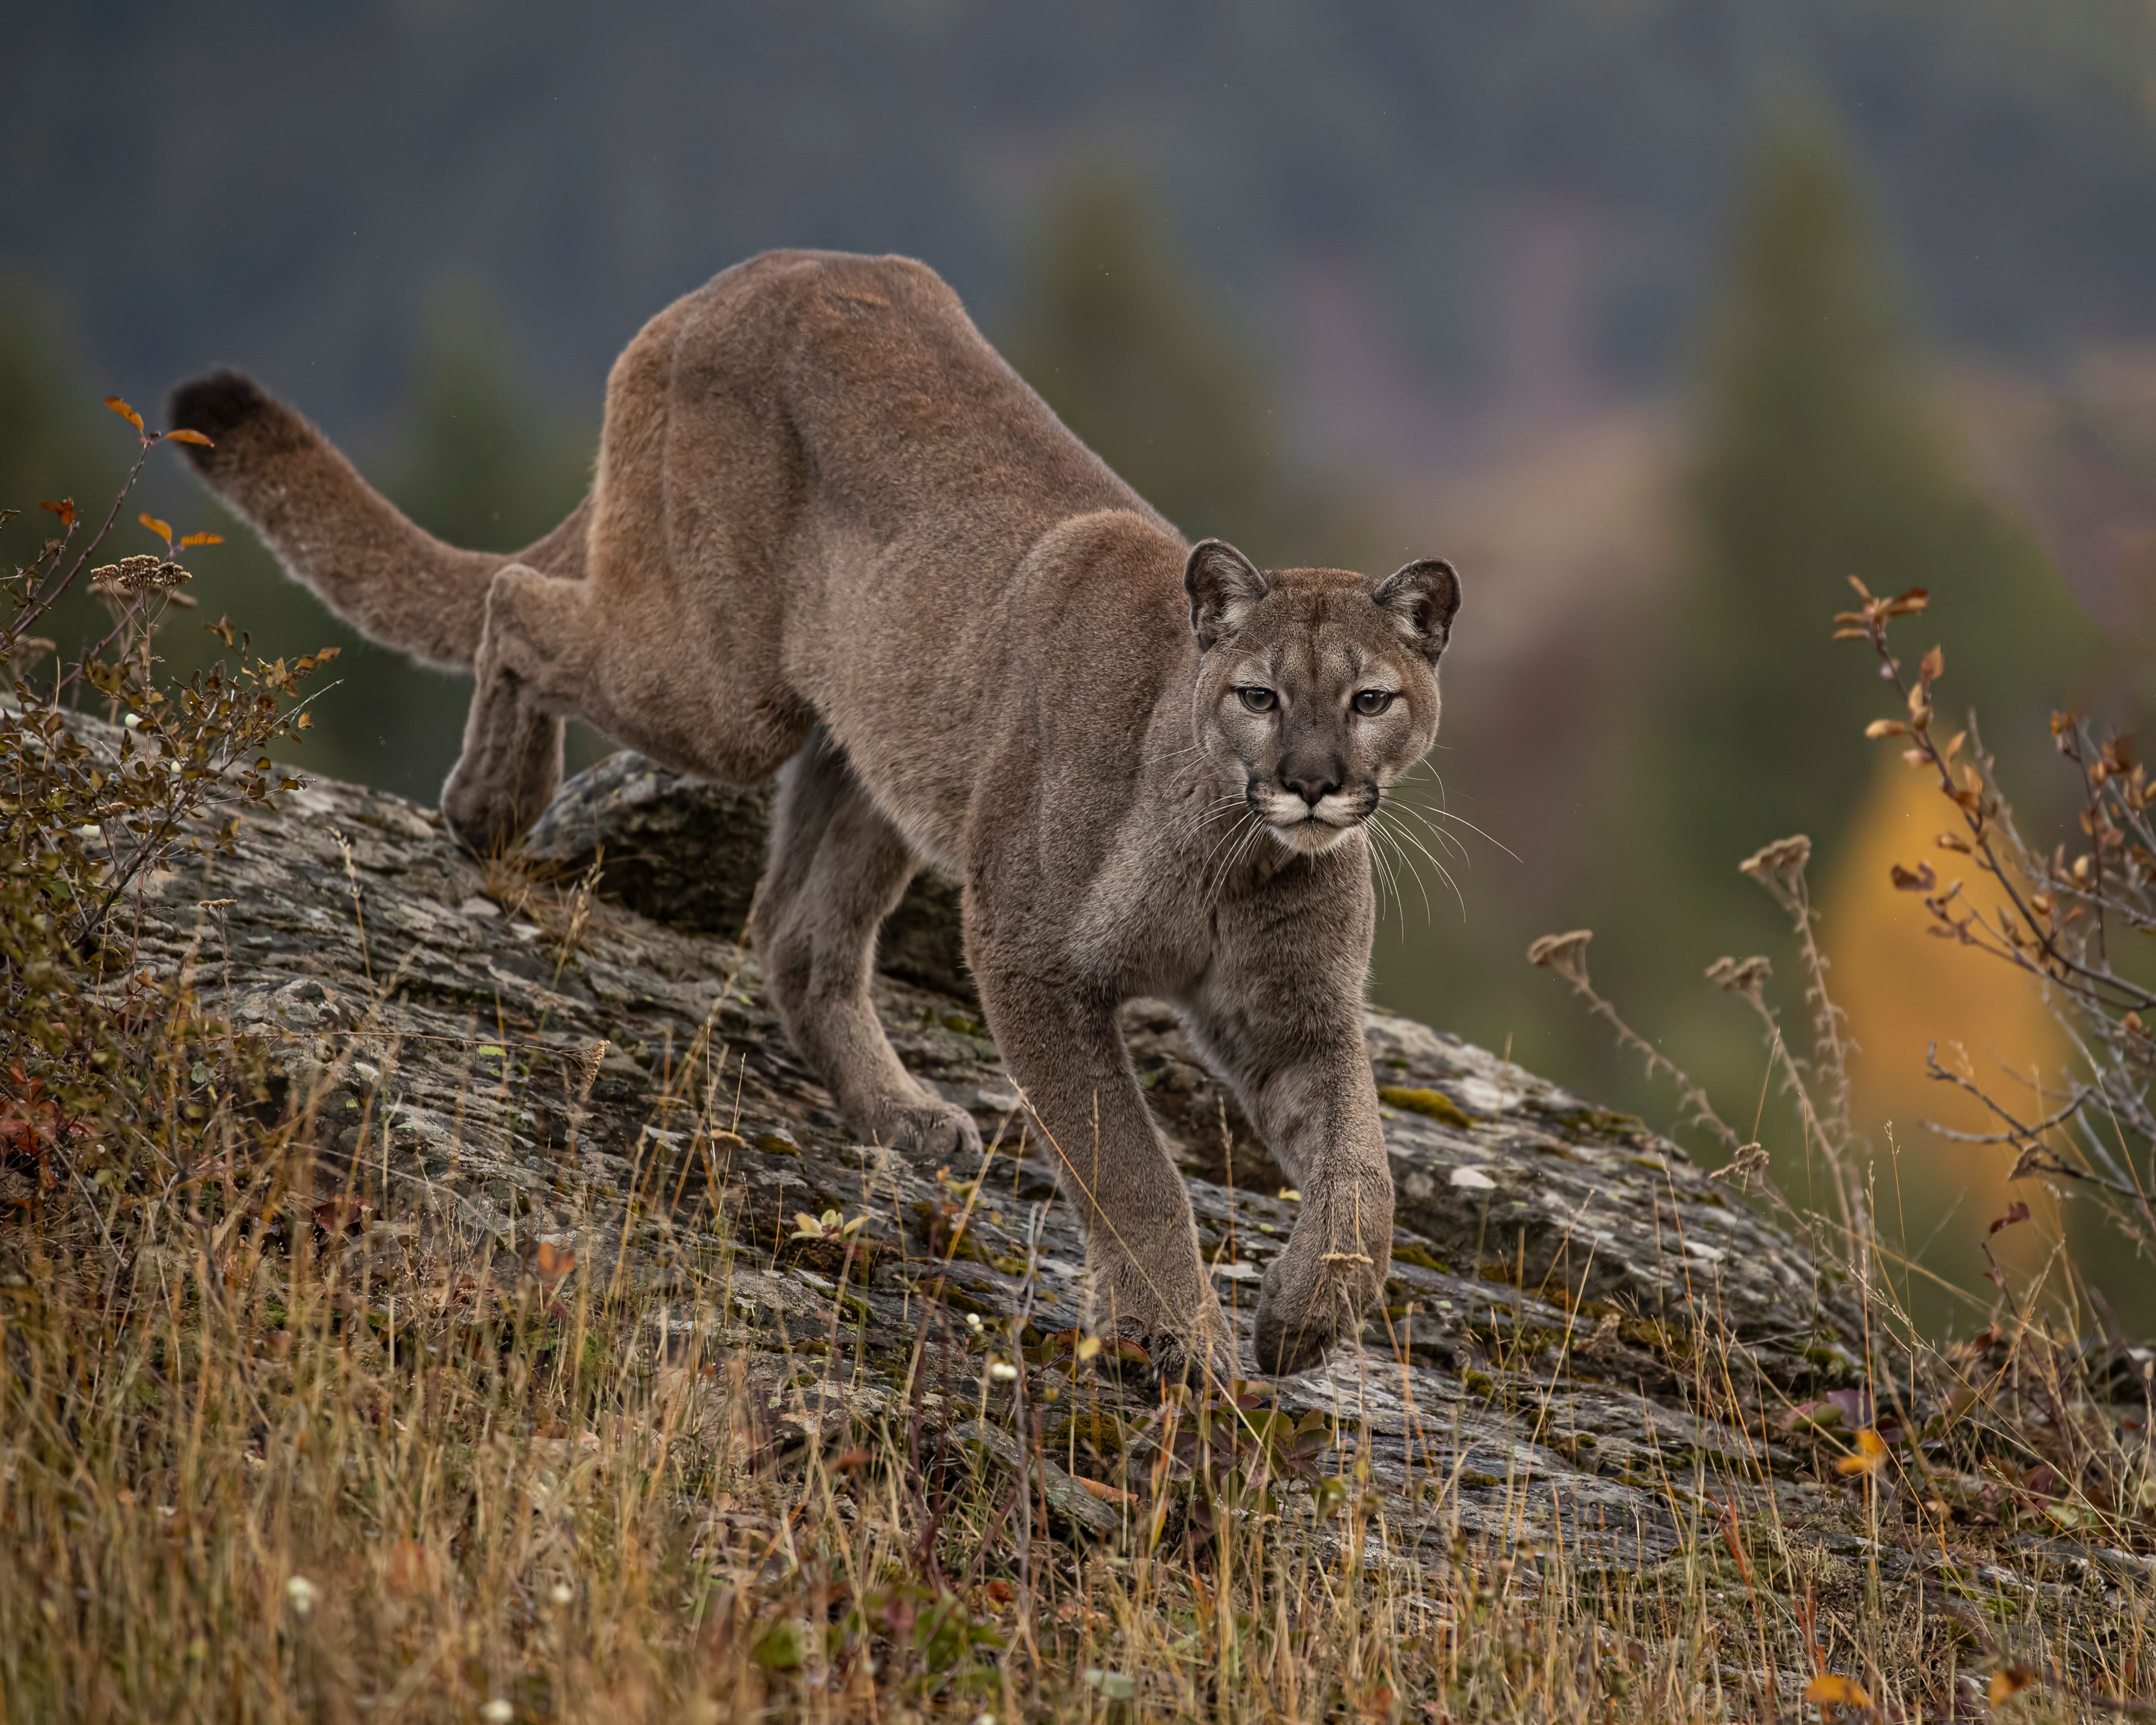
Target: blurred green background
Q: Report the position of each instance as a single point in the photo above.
(1659, 319)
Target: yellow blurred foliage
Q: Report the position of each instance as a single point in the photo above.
(1904, 988)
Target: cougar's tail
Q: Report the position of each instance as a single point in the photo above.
(389, 578)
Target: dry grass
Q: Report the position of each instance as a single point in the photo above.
(278, 1441)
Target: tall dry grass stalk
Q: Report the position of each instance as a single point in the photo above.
(282, 1438)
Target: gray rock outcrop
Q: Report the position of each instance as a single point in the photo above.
(530, 1064)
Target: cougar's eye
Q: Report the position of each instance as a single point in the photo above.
(1257, 698)
(1370, 703)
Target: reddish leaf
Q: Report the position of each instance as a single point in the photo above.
(64, 509)
(2016, 1211)
(342, 1215)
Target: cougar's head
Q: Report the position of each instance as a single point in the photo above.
(1316, 688)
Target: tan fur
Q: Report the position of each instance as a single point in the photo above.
(832, 535)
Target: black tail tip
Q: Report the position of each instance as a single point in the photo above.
(217, 406)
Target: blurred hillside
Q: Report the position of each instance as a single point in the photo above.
(1659, 319)
(1493, 198)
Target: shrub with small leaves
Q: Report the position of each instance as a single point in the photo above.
(90, 811)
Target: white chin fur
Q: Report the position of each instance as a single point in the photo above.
(1309, 837)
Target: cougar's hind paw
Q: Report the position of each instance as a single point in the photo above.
(932, 1132)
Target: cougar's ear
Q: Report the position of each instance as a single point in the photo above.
(1422, 597)
(1223, 585)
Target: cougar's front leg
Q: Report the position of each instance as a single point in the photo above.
(1304, 1078)
(533, 652)
(837, 869)
(1148, 1283)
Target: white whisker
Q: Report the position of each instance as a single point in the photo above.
(1382, 838)
(1401, 805)
(1402, 832)
(1458, 820)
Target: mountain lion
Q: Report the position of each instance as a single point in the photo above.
(833, 536)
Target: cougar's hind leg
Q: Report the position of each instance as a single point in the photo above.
(837, 869)
(532, 667)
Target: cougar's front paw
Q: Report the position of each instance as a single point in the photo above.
(931, 1132)
(1317, 1291)
(1186, 1339)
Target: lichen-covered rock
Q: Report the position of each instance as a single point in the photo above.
(687, 852)
(1562, 1279)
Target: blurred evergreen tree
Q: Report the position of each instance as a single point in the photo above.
(1127, 350)
(1818, 456)
(478, 468)
(49, 448)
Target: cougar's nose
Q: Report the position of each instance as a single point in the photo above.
(1312, 780)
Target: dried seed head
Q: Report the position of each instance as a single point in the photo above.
(1740, 976)
(1783, 857)
(1747, 1167)
(135, 575)
(1564, 953)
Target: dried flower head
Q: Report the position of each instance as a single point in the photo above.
(1784, 856)
(1779, 867)
(1741, 976)
(1564, 953)
(135, 575)
(1746, 1168)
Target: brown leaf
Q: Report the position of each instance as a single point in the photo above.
(64, 509)
(2016, 1211)
(201, 538)
(1922, 878)
(553, 1262)
(185, 436)
(1934, 667)
(342, 1214)
(126, 412)
(163, 530)
(1885, 727)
